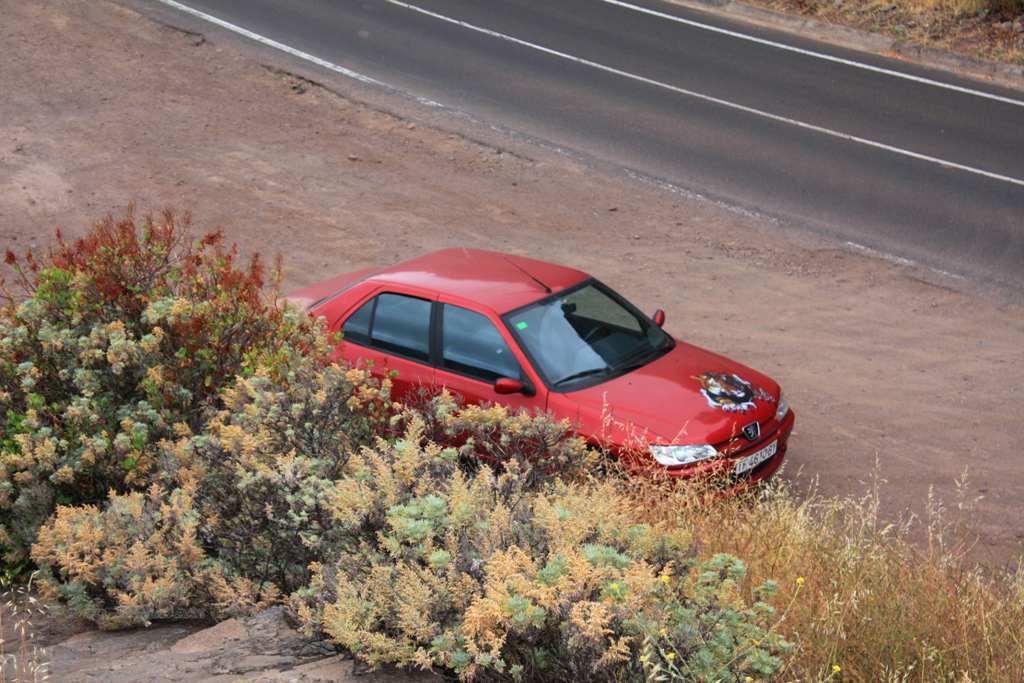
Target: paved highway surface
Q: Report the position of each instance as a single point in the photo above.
(899, 158)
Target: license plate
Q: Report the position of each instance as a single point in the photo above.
(755, 459)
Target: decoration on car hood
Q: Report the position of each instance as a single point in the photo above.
(730, 392)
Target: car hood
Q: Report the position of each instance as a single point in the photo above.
(689, 395)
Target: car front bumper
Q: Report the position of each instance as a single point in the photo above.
(724, 467)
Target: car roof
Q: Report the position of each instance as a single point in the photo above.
(502, 282)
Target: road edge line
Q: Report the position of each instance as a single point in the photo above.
(985, 71)
(709, 98)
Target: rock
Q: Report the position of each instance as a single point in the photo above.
(212, 638)
(353, 157)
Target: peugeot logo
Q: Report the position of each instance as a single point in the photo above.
(752, 431)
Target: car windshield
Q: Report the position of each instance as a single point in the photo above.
(586, 335)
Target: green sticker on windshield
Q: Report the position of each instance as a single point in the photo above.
(521, 325)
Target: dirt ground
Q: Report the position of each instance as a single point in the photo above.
(882, 361)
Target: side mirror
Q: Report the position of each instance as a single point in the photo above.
(659, 318)
(507, 385)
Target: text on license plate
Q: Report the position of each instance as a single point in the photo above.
(755, 459)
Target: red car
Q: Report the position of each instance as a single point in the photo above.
(535, 335)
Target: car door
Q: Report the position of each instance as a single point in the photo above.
(390, 332)
(474, 352)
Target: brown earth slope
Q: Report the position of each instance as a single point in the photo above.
(882, 361)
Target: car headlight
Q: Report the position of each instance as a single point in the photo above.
(783, 408)
(682, 455)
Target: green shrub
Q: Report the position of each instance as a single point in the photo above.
(492, 578)
(117, 342)
(714, 635)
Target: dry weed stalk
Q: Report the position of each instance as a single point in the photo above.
(28, 662)
(870, 594)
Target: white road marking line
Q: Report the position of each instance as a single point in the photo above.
(276, 45)
(816, 55)
(708, 98)
(331, 66)
(898, 260)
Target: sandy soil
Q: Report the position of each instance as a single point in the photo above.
(882, 362)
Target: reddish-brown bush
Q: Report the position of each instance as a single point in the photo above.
(116, 342)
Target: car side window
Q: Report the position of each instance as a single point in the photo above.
(401, 324)
(471, 345)
(357, 327)
(392, 322)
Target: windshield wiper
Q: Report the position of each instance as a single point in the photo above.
(635, 361)
(583, 373)
(630, 367)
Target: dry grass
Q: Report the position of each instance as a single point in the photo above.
(951, 6)
(865, 602)
(977, 28)
(21, 659)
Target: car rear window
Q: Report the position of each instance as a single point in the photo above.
(401, 324)
(357, 327)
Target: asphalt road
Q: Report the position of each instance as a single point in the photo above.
(930, 171)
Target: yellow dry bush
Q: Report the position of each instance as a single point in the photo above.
(881, 600)
(135, 561)
(492, 576)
